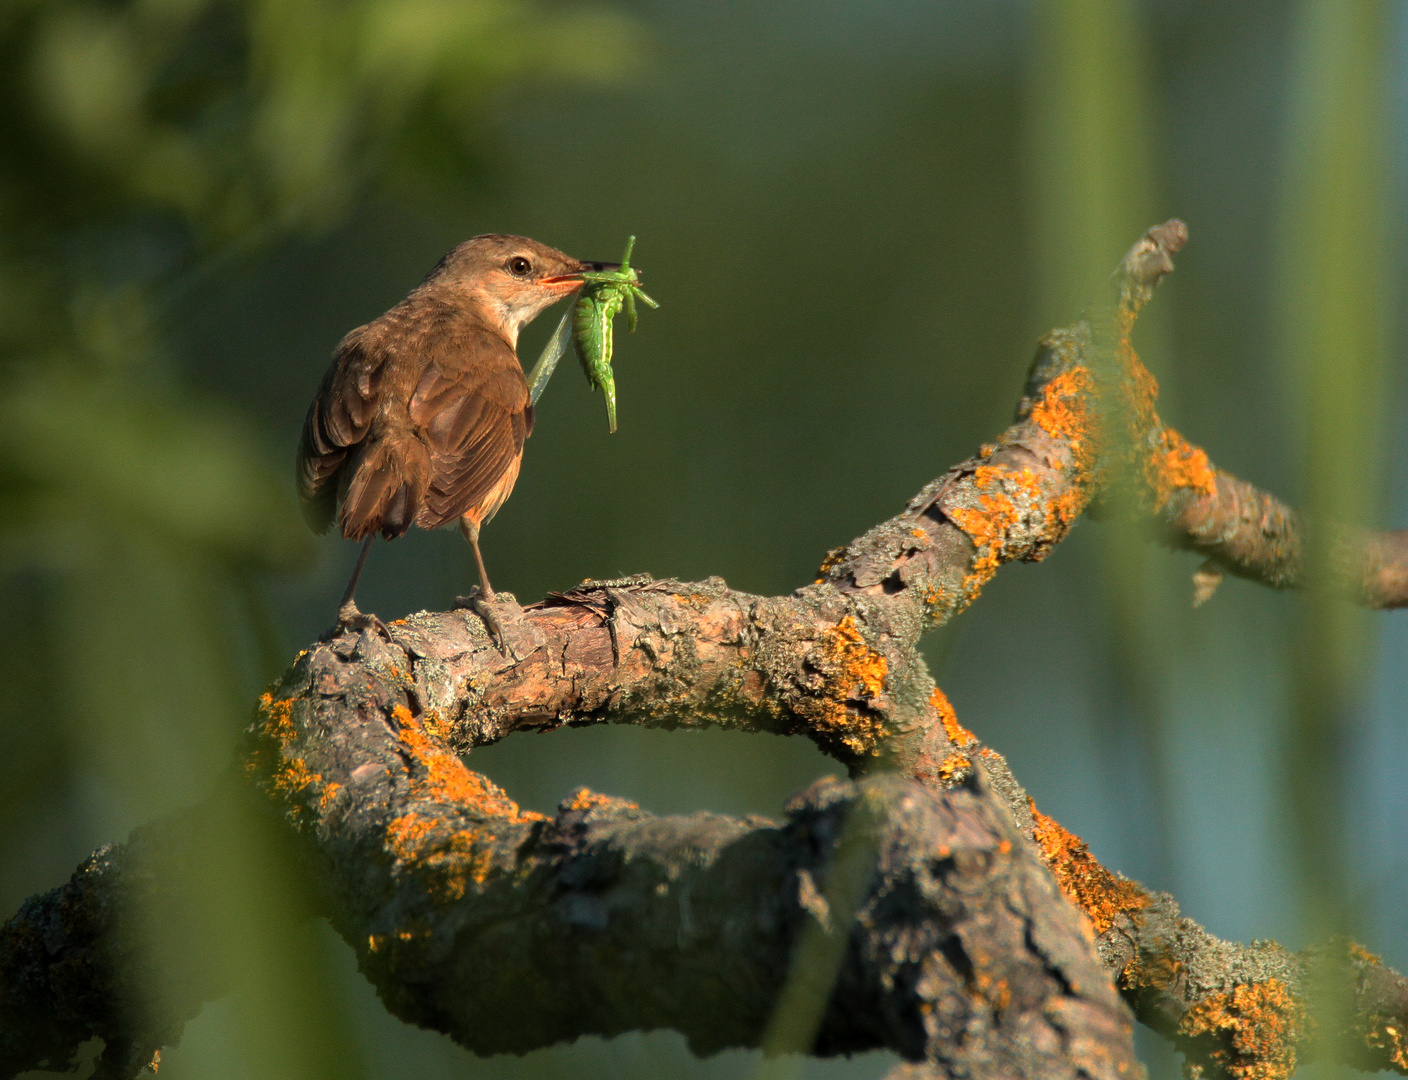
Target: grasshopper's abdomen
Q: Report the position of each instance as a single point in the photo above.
(591, 326)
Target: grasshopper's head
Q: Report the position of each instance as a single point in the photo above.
(620, 274)
(508, 280)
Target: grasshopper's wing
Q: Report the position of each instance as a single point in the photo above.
(552, 353)
(472, 408)
(337, 421)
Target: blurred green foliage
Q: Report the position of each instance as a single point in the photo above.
(148, 145)
(1338, 281)
(1094, 178)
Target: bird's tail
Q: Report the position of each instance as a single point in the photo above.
(386, 483)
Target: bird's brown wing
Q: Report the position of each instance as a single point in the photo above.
(471, 407)
(339, 419)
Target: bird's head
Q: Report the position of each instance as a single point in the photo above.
(509, 279)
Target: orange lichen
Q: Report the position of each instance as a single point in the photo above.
(1177, 465)
(442, 776)
(406, 834)
(935, 599)
(416, 932)
(1140, 387)
(987, 528)
(436, 727)
(1100, 894)
(994, 991)
(859, 661)
(278, 718)
(1064, 413)
(1363, 955)
(274, 764)
(446, 859)
(833, 559)
(1063, 510)
(957, 734)
(1156, 969)
(955, 768)
(1385, 1035)
(985, 476)
(991, 524)
(1258, 1026)
(292, 775)
(1169, 462)
(853, 673)
(586, 799)
(431, 842)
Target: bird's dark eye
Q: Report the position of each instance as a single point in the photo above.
(519, 265)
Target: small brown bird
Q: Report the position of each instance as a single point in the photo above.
(422, 415)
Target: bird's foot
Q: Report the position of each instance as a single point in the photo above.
(349, 618)
(513, 632)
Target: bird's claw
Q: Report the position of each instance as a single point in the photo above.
(513, 632)
(350, 618)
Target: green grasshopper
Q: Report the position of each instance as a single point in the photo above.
(604, 294)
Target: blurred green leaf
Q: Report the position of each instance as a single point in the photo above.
(150, 143)
(1337, 279)
(97, 452)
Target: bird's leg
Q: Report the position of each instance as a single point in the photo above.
(471, 533)
(348, 607)
(510, 628)
(348, 616)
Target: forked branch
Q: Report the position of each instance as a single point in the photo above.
(949, 939)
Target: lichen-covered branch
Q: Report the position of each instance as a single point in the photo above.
(1018, 498)
(510, 930)
(76, 963)
(644, 922)
(1087, 426)
(1249, 533)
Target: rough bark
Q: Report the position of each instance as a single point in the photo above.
(1253, 535)
(916, 894)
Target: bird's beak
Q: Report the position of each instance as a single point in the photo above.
(562, 282)
(575, 278)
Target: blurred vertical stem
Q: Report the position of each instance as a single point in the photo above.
(820, 950)
(1335, 276)
(1089, 146)
(1091, 169)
